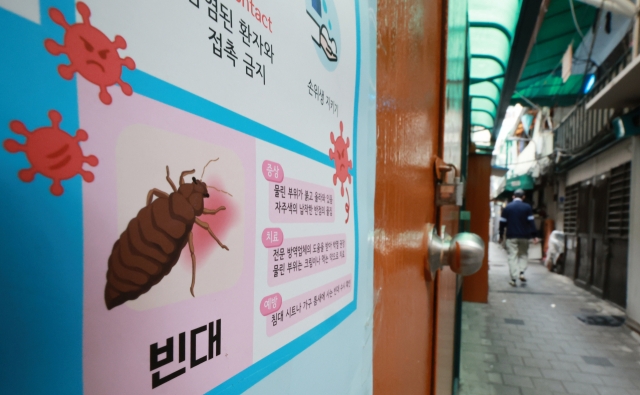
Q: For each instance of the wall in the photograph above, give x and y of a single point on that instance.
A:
(605, 42)
(476, 287)
(614, 156)
(625, 151)
(633, 271)
(166, 160)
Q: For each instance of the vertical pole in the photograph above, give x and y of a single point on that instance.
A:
(636, 29)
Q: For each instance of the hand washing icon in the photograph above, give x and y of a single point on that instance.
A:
(324, 30)
(328, 44)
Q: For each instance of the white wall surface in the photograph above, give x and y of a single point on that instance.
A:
(614, 156)
(341, 362)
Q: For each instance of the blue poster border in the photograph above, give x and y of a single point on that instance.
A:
(32, 78)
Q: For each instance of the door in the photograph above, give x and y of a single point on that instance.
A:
(476, 286)
(600, 198)
(618, 235)
(592, 223)
(617, 276)
(570, 229)
(585, 251)
(453, 138)
(409, 108)
(445, 312)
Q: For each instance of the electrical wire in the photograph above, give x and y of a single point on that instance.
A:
(588, 60)
(543, 81)
(594, 36)
(527, 100)
(579, 60)
(531, 161)
(575, 20)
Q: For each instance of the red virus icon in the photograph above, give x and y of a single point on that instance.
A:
(340, 158)
(91, 53)
(52, 152)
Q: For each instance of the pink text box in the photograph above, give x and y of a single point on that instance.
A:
(270, 304)
(301, 307)
(272, 237)
(300, 201)
(304, 256)
(272, 171)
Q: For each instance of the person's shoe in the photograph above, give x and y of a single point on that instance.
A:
(512, 283)
(524, 280)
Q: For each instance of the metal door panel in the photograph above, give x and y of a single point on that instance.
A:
(583, 264)
(409, 106)
(571, 256)
(584, 260)
(570, 230)
(444, 320)
(599, 265)
(617, 234)
(617, 276)
(598, 227)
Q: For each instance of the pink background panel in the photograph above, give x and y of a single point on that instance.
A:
(334, 257)
(304, 313)
(287, 217)
(116, 343)
(270, 304)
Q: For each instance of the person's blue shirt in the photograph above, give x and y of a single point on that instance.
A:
(517, 217)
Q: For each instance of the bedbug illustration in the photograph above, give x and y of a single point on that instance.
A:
(152, 242)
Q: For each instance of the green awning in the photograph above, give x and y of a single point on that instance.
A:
(492, 25)
(524, 181)
(541, 80)
(551, 91)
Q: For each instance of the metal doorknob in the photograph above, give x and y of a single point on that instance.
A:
(463, 253)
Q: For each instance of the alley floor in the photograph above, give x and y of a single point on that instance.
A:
(528, 340)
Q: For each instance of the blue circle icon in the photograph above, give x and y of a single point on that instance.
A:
(325, 31)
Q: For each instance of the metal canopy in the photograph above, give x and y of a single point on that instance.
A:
(492, 25)
(541, 80)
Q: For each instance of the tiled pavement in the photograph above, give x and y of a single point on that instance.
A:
(528, 341)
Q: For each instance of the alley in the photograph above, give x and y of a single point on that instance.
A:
(529, 341)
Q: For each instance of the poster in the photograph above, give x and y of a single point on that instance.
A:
(202, 155)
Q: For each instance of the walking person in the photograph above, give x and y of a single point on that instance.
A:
(517, 218)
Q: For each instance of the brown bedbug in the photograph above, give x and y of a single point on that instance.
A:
(152, 242)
